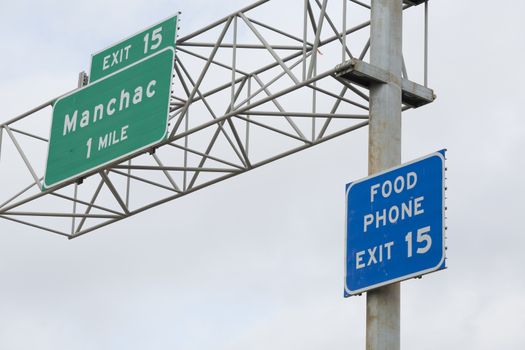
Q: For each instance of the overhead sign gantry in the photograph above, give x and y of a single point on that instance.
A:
(232, 111)
(233, 107)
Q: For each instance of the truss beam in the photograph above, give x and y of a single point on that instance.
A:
(307, 82)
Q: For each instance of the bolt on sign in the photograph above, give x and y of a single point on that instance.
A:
(117, 116)
(134, 48)
(395, 224)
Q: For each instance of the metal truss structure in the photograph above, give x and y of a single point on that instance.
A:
(246, 92)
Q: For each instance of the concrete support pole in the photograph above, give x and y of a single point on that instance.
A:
(384, 151)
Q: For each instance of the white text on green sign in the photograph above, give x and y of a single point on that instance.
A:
(133, 49)
(119, 115)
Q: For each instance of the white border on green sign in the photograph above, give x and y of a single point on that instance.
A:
(177, 16)
(118, 159)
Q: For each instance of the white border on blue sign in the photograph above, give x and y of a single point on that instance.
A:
(416, 274)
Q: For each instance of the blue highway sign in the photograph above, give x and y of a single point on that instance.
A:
(395, 224)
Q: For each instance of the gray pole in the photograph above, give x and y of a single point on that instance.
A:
(384, 151)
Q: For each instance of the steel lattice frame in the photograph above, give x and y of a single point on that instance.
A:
(227, 116)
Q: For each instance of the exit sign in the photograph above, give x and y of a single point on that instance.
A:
(134, 48)
(115, 117)
(395, 224)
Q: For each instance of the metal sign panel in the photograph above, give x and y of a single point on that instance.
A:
(134, 48)
(117, 116)
(395, 225)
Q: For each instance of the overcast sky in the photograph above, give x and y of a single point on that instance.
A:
(256, 262)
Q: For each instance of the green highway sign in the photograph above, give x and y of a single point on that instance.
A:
(117, 116)
(134, 48)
